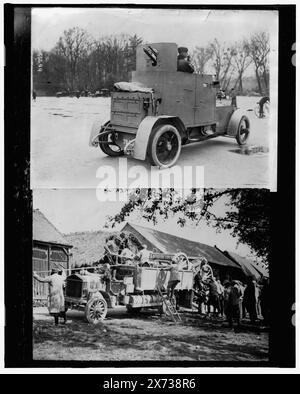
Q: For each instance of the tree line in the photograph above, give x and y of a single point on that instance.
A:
(229, 63)
(79, 62)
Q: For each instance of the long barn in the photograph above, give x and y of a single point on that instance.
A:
(49, 249)
(158, 241)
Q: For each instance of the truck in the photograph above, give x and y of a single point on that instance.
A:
(135, 287)
(162, 109)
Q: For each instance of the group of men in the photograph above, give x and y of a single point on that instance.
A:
(141, 258)
(235, 300)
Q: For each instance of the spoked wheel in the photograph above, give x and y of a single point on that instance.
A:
(183, 260)
(243, 131)
(164, 146)
(109, 146)
(95, 310)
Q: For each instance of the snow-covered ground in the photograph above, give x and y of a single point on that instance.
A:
(61, 157)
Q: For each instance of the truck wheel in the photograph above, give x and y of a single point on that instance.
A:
(95, 310)
(164, 146)
(110, 149)
(243, 131)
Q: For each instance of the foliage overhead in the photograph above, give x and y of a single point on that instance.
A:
(245, 212)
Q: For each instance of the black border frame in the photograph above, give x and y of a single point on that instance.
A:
(18, 196)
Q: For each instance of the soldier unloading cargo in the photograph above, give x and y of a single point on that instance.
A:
(173, 280)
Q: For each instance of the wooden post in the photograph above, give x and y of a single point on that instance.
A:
(49, 257)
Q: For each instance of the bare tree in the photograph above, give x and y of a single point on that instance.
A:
(74, 46)
(242, 61)
(200, 58)
(259, 49)
(222, 61)
(112, 59)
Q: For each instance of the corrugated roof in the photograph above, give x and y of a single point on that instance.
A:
(168, 243)
(45, 231)
(249, 267)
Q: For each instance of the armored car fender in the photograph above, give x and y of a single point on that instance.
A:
(239, 126)
(95, 131)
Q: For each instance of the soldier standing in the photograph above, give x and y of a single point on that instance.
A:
(233, 97)
(144, 255)
(56, 304)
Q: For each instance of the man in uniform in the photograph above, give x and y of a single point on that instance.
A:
(144, 256)
(206, 271)
(262, 102)
(233, 97)
(233, 299)
(183, 61)
(127, 256)
(56, 302)
(174, 279)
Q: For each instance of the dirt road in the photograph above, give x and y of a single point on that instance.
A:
(61, 157)
(145, 337)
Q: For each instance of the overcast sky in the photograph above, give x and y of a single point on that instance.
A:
(184, 27)
(73, 210)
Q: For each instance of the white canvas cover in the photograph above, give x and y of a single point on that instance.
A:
(132, 87)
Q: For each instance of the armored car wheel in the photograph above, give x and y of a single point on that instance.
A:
(243, 131)
(164, 146)
(109, 146)
(95, 310)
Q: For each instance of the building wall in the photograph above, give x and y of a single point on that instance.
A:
(44, 259)
(40, 263)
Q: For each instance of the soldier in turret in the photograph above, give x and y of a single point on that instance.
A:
(183, 61)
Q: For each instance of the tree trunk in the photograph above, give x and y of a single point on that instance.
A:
(265, 76)
(258, 81)
(241, 83)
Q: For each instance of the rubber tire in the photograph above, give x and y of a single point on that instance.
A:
(107, 150)
(238, 135)
(156, 133)
(87, 308)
